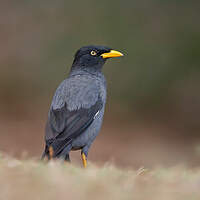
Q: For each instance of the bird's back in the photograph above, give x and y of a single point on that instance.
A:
(76, 92)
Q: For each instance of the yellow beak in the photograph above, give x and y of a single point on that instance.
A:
(112, 54)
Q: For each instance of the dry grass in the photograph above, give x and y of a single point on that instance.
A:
(32, 179)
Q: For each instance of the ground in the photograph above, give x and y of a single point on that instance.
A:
(32, 179)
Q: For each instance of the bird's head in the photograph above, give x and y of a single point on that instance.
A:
(93, 57)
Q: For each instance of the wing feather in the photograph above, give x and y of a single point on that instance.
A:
(68, 116)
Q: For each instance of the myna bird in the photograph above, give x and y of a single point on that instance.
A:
(77, 108)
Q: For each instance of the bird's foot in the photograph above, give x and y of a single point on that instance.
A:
(51, 152)
(84, 159)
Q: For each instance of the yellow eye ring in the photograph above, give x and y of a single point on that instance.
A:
(93, 53)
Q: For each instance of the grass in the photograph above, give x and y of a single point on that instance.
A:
(35, 180)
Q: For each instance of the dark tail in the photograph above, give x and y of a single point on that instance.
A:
(45, 153)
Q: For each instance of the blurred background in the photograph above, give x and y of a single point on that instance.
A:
(152, 114)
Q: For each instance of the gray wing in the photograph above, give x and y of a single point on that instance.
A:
(72, 111)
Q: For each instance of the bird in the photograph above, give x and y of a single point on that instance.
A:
(77, 109)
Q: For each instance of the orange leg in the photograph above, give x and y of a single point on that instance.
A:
(51, 152)
(84, 159)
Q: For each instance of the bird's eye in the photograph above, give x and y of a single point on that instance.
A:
(93, 53)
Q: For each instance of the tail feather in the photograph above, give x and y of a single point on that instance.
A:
(45, 153)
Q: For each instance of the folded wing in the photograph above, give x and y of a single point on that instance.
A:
(66, 124)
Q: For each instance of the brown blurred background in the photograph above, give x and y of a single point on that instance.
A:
(152, 114)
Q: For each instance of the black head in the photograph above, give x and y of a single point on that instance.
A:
(93, 56)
